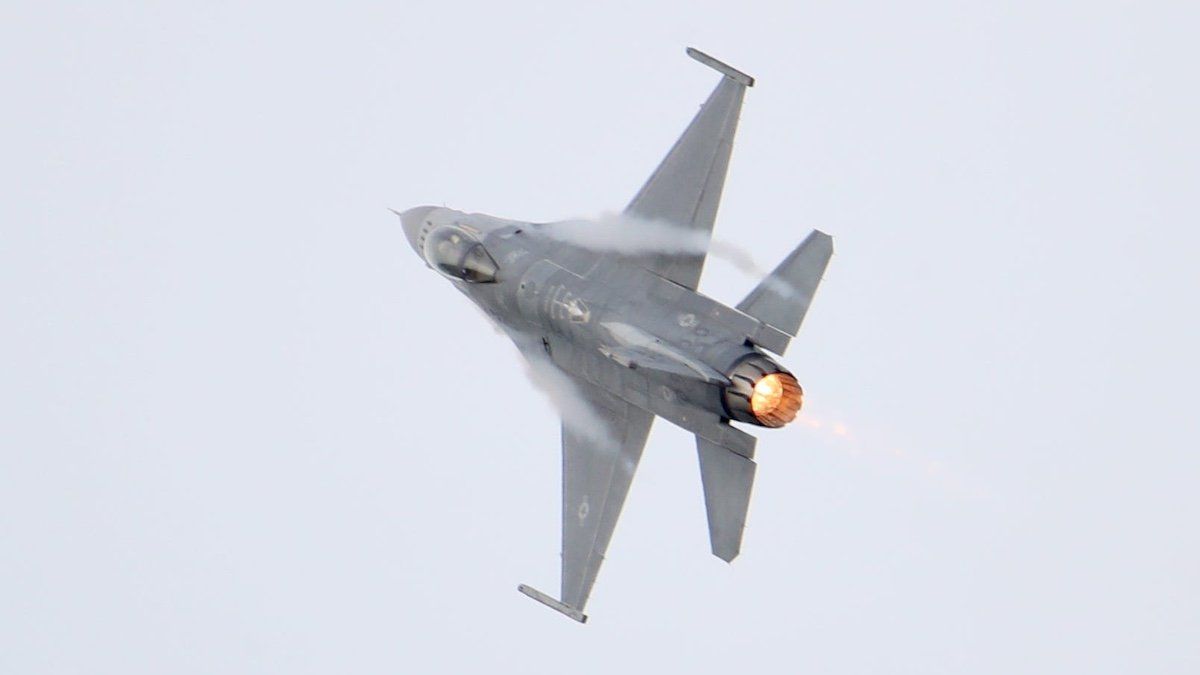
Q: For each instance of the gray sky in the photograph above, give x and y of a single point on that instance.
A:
(243, 429)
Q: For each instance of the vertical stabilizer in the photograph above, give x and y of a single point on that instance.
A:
(782, 299)
(728, 477)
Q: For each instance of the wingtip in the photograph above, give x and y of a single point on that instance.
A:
(557, 605)
(721, 67)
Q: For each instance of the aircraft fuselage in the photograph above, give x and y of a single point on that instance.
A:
(647, 340)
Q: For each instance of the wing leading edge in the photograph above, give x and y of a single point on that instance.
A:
(685, 190)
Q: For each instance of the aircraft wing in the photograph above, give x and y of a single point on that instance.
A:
(685, 189)
(601, 448)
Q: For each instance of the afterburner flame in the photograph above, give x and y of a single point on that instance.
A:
(767, 394)
(776, 399)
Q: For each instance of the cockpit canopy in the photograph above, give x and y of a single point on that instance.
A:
(454, 252)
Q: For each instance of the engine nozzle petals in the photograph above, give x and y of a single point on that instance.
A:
(762, 392)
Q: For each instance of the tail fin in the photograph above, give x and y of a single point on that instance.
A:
(782, 299)
(728, 476)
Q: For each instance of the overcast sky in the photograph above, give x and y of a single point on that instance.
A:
(243, 429)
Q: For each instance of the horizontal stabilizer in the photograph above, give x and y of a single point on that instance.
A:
(727, 476)
(783, 298)
(552, 603)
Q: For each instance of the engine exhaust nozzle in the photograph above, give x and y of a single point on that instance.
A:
(762, 392)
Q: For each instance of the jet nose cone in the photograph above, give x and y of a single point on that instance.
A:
(412, 220)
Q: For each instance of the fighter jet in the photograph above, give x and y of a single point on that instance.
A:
(623, 330)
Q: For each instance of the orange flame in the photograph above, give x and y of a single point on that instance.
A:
(776, 399)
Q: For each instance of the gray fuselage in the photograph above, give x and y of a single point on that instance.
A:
(642, 338)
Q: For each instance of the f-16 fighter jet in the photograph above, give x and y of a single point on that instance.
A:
(623, 334)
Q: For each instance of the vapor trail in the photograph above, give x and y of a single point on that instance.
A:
(564, 395)
(631, 235)
(621, 233)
